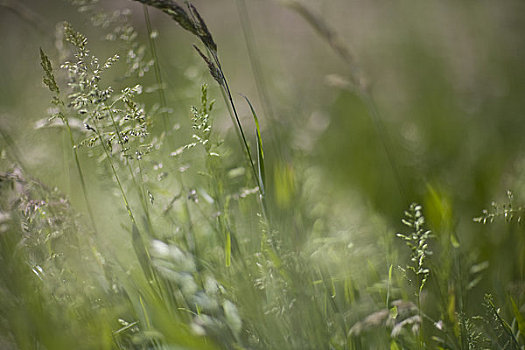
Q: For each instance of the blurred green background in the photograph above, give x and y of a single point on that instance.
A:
(447, 79)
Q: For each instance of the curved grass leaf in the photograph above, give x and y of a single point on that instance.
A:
(260, 151)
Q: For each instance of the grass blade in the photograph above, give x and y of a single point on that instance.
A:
(141, 251)
(260, 151)
(520, 320)
(228, 250)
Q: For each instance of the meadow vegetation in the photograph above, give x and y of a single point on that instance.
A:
(146, 204)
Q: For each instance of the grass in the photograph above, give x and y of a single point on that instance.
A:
(182, 238)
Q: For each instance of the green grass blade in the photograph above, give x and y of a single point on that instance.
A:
(228, 250)
(141, 251)
(520, 320)
(389, 285)
(260, 151)
(156, 66)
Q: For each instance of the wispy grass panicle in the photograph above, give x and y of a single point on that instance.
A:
(202, 29)
(50, 81)
(49, 77)
(418, 241)
(115, 120)
(117, 28)
(508, 211)
(115, 125)
(201, 121)
(174, 10)
(215, 72)
(188, 18)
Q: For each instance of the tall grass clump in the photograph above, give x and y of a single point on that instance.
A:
(171, 236)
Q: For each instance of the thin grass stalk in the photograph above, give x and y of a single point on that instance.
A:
(229, 100)
(386, 142)
(69, 133)
(66, 160)
(389, 284)
(14, 151)
(230, 106)
(137, 239)
(190, 241)
(420, 339)
(340, 320)
(232, 117)
(144, 198)
(251, 47)
(224, 231)
(507, 330)
(260, 83)
(463, 334)
(261, 177)
(140, 187)
(81, 176)
(115, 175)
(156, 68)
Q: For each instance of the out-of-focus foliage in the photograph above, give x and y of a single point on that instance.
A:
(146, 204)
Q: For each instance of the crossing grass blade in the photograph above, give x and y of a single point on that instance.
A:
(519, 317)
(141, 251)
(260, 151)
